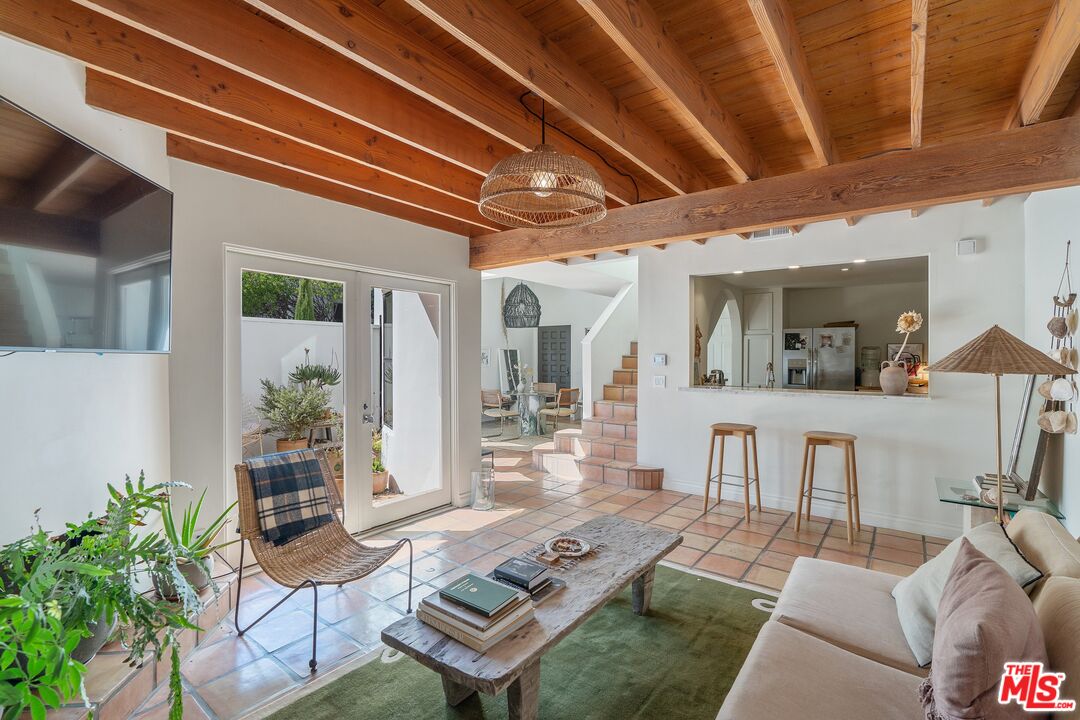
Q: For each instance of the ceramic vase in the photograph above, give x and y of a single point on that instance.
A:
(893, 377)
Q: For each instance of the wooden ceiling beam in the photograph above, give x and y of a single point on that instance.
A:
(1058, 41)
(366, 34)
(505, 38)
(920, 10)
(124, 98)
(124, 193)
(1040, 157)
(115, 48)
(851, 220)
(777, 25)
(635, 27)
(237, 38)
(193, 151)
(21, 225)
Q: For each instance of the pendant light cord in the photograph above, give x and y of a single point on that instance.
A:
(543, 126)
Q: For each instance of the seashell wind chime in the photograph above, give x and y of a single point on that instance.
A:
(1057, 415)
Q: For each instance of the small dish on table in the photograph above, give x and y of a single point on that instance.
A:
(566, 546)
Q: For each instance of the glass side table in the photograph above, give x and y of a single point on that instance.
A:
(962, 492)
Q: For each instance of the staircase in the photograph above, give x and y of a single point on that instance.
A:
(605, 448)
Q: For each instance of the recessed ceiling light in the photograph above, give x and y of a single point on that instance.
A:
(859, 260)
(844, 269)
(793, 267)
(737, 272)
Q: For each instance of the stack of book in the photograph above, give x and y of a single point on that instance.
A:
(524, 574)
(476, 611)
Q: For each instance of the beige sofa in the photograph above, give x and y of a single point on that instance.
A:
(834, 647)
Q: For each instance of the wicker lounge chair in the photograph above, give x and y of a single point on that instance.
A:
(328, 555)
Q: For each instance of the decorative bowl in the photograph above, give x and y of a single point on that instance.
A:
(567, 546)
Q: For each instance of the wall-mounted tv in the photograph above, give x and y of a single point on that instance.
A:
(85, 245)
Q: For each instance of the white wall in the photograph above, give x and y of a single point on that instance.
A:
(214, 209)
(411, 448)
(558, 306)
(73, 422)
(1051, 219)
(903, 443)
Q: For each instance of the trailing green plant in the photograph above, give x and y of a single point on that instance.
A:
(57, 589)
(187, 541)
(293, 409)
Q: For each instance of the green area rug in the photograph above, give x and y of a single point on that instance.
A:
(676, 662)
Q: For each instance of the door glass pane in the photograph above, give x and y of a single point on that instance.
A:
(292, 366)
(406, 383)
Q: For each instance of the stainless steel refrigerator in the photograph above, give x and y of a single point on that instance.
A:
(819, 358)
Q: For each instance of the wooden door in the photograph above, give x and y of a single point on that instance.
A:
(553, 355)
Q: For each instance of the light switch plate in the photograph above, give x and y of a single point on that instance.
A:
(659, 381)
(659, 360)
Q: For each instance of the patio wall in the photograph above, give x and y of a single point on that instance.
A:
(272, 348)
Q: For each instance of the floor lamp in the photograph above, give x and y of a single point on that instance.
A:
(998, 353)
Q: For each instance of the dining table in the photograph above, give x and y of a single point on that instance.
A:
(530, 402)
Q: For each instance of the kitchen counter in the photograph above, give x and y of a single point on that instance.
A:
(867, 394)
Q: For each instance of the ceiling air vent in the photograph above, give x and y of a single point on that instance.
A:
(770, 233)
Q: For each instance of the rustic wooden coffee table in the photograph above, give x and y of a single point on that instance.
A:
(629, 553)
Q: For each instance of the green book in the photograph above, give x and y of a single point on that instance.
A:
(479, 594)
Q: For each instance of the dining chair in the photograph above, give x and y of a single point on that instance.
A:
(549, 390)
(565, 405)
(493, 404)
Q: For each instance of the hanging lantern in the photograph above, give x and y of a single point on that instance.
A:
(521, 308)
(543, 188)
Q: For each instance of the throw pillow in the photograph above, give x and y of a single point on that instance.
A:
(1045, 542)
(984, 621)
(918, 595)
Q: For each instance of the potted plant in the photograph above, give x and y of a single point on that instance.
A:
(380, 477)
(57, 591)
(292, 410)
(194, 550)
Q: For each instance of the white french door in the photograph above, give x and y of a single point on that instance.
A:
(392, 346)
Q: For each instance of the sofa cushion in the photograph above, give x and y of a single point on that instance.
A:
(918, 595)
(984, 621)
(790, 674)
(1046, 543)
(1058, 608)
(850, 607)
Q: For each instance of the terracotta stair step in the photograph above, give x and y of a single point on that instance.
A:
(610, 428)
(633, 347)
(624, 377)
(623, 393)
(617, 409)
(629, 362)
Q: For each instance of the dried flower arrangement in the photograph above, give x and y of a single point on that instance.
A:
(907, 323)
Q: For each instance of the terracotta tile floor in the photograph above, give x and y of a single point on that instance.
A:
(227, 677)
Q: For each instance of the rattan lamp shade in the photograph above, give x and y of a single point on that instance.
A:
(521, 309)
(997, 352)
(543, 188)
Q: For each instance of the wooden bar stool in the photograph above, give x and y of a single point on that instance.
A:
(738, 430)
(845, 442)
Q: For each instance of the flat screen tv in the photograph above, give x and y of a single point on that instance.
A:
(85, 245)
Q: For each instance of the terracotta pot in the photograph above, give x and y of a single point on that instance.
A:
(283, 444)
(893, 377)
(379, 481)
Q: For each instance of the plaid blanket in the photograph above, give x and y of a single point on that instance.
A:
(290, 494)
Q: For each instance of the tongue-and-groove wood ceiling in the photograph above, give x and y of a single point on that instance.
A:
(402, 106)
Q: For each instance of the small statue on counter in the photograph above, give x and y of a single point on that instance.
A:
(770, 376)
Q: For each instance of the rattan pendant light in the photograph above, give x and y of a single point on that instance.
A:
(543, 188)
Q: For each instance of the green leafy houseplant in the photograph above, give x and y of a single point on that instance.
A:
(194, 548)
(56, 590)
(293, 409)
(315, 374)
